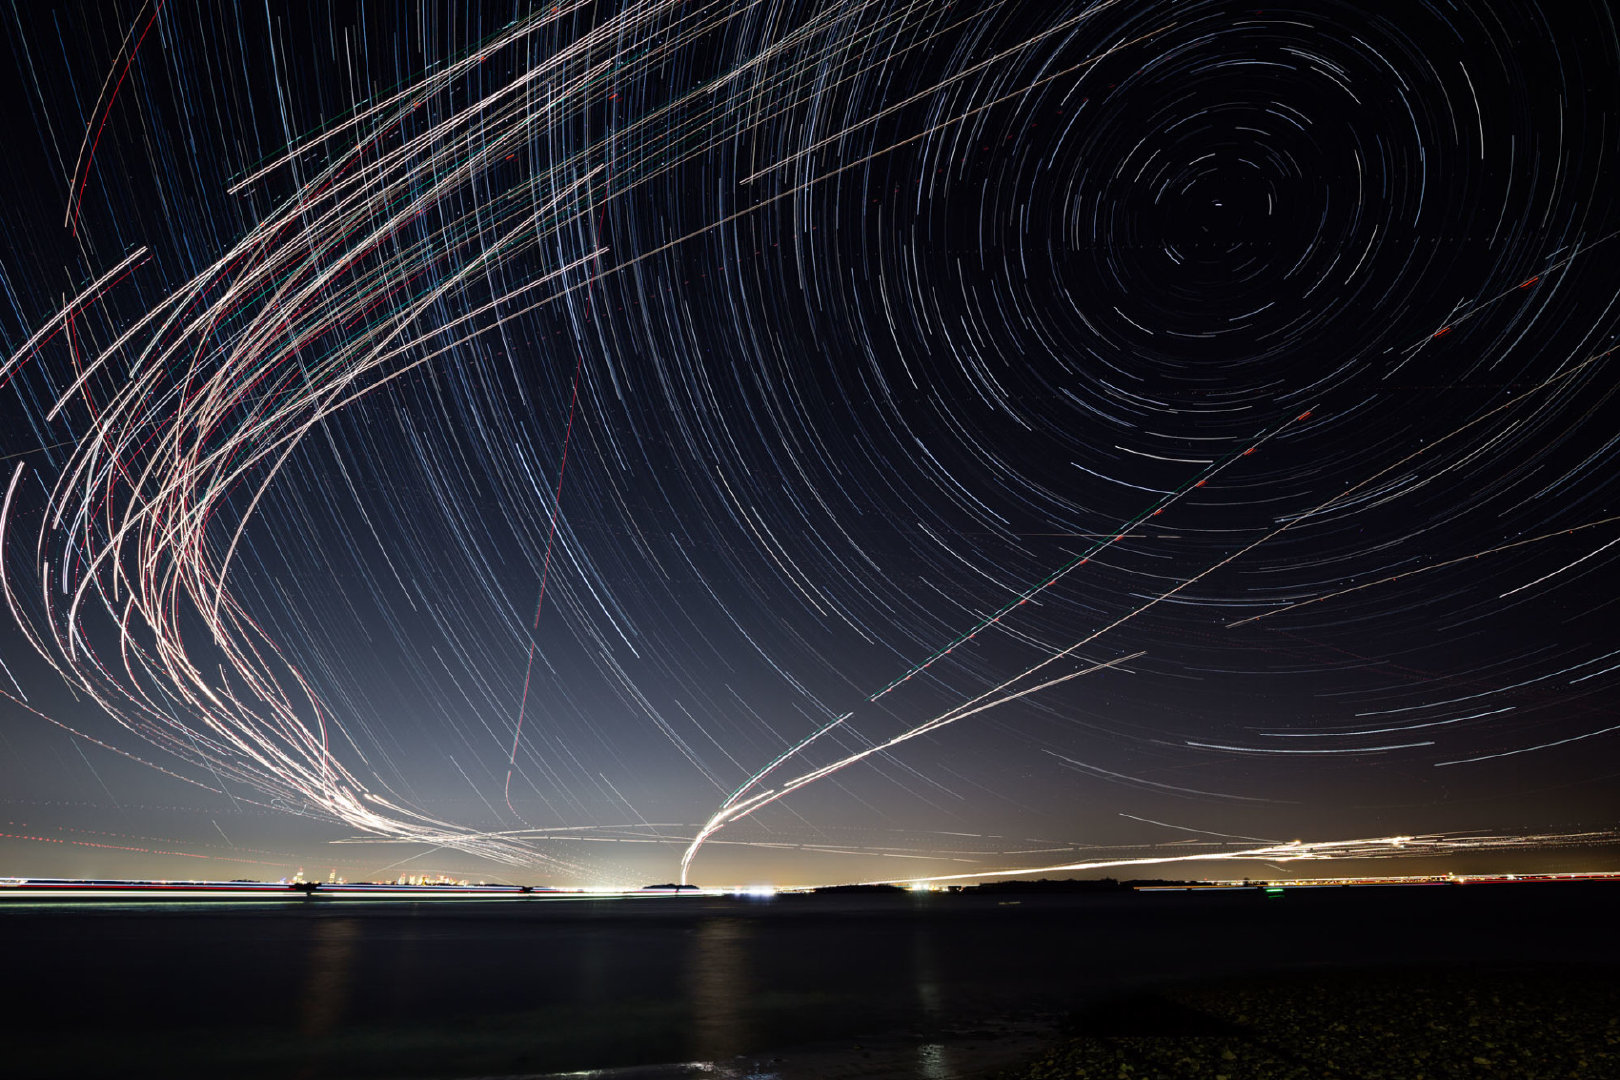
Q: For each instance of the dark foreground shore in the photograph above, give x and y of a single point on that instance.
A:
(1356, 1025)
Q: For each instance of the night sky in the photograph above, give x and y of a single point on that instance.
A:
(882, 439)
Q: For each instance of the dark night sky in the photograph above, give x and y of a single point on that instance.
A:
(503, 431)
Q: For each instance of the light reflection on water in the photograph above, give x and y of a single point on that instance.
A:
(933, 1058)
(326, 987)
(934, 1061)
(690, 1070)
(719, 983)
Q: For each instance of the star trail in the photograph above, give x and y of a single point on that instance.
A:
(592, 442)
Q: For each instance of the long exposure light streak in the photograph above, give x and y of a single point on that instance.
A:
(1300, 850)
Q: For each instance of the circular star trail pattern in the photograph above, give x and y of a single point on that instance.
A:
(822, 440)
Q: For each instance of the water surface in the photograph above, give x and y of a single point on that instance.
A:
(905, 986)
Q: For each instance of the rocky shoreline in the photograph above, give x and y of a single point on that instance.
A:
(1407, 1025)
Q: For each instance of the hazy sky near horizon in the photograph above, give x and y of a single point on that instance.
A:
(908, 438)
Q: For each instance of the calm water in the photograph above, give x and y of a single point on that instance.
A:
(683, 986)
